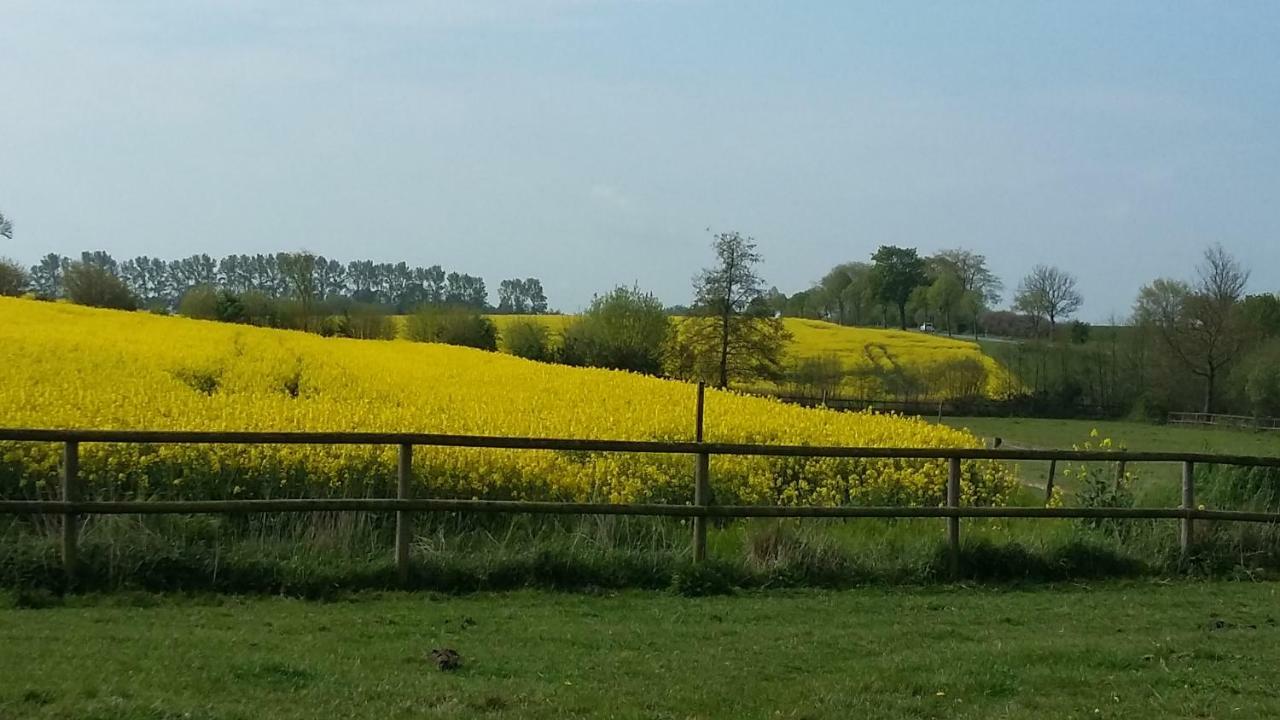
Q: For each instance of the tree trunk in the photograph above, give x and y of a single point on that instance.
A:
(724, 353)
(1208, 391)
(902, 315)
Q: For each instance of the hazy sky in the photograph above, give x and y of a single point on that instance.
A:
(593, 143)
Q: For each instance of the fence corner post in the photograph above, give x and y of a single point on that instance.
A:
(70, 521)
(404, 477)
(702, 484)
(953, 522)
(1187, 535)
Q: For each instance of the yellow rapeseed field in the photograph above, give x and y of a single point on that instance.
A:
(870, 355)
(877, 364)
(70, 366)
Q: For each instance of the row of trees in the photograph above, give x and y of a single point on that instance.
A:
(1196, 343)
(161, 284)
(953, 289)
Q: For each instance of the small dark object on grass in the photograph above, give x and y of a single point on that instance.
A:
(445, 658)
(467, 622)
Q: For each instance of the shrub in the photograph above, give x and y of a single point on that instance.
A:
(528, 339)
(818, 374)
(626, 329)
(452, 326)
(93, 285)
(14, 279)
(366, 321)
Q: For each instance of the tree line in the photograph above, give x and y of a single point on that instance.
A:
(160, 284)
(954, 290)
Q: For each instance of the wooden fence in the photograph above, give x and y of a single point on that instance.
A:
(404, 505)
(1235, 421)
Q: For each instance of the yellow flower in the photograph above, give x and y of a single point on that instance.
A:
(72, 366)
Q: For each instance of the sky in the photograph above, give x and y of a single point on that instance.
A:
(592, 143)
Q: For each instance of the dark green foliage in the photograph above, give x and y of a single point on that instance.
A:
(625, 329)
(700, 580)
(528, 339)
(365, 321)
(895, 273)
(88, 283)
(1080, 332)
(14, 279)
(453, 326)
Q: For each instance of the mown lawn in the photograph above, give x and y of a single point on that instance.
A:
(1109, 650)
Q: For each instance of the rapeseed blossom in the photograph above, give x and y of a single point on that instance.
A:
(67, 366)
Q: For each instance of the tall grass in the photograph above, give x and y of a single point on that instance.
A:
(323, 554)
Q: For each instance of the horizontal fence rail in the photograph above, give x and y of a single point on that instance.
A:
(72, 508)
(501, 442)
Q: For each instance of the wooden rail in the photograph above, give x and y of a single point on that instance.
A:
(1218, 419)
(71, 507)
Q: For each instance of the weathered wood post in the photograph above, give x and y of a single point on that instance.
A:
(1187, 535)
(70, 521)
(404, 476)
(702, 484)
(953, 523)
(1048, 485)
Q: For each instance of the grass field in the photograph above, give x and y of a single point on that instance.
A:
(1111, 650)
(1159, 479)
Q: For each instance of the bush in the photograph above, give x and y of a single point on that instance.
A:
(818, 374)
(528, 339)
(452, 326)
(14, 279)
(88, 284)
(626, 329)
(366, 321)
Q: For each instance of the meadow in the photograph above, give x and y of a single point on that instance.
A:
(1099, 650)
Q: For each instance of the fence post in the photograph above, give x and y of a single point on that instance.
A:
(1187, 535)
(953, 523)
(702, 484)
(70, 521)
(1048, 485)
(404, 476)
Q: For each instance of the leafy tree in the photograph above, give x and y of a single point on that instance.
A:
(895, 274)
(946, 295)
(731, 326)
(1048, 292)
(14, 279)
(528, 339)
(1201, 324)
(6, 227)
(91, 284)
(521, 297)
(452, 326)
(299, 273)
(624, 329)
(46, 276)
(365, 321)
(974, 275)
(1262, 314)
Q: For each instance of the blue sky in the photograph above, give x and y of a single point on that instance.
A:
(592, 143)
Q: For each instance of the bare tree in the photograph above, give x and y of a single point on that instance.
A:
(732, 320)
(975, 277)
(1200, 324)
(1050, 293)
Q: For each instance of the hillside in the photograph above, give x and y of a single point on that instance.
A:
(71, 366)
(864, 362)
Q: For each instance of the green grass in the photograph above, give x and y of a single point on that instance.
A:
(1157, 482)
(1112, 650)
